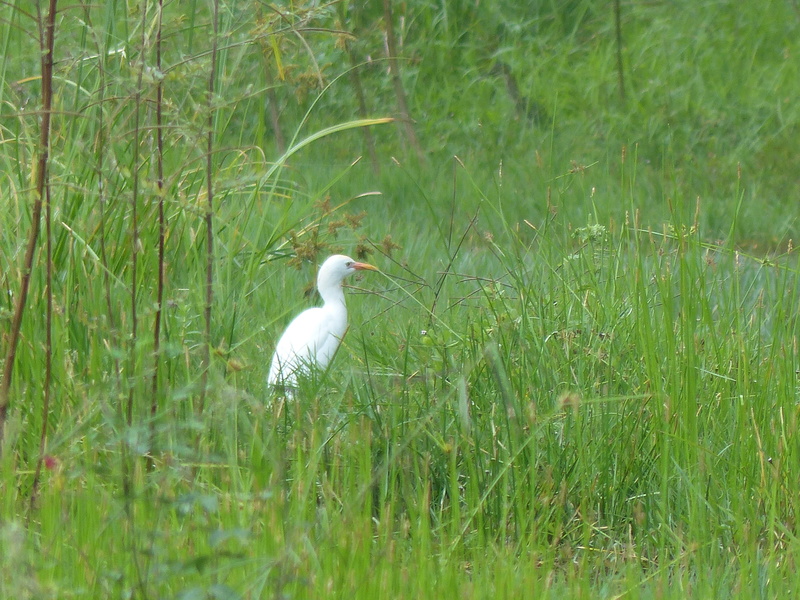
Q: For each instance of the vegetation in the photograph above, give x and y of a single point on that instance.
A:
(576, 376)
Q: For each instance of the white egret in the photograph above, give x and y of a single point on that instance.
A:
(312, 338)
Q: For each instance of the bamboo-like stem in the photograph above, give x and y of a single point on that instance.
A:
(47, 44)
(102, 187)
(272, 106)
(161, 234)
(127, 460)
(209, 216)
(397, 81)
(127, 483)
(355, 79)
(48, 344)
(127, 476)
(134, 243)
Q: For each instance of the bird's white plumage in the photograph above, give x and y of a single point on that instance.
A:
(312, 338)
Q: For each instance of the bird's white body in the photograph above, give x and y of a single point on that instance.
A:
(309, 342)
(312, 338)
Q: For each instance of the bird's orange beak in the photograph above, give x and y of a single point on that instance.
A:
(359, 266)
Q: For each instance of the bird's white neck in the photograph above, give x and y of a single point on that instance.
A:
(330, 288)
(332, 295)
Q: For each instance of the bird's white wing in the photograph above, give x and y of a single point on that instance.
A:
(310, 341)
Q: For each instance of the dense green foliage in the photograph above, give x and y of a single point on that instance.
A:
(575, 377)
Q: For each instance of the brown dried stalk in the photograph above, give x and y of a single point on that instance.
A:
(47, 39)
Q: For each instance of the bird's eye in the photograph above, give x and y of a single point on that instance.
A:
(349, 263)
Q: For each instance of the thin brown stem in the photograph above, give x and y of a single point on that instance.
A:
(47, 43)
(209, 216)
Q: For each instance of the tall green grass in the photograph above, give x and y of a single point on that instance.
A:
(574, 377)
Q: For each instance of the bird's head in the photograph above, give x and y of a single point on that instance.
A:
(336, 268)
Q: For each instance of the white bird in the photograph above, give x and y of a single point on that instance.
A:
(312, 338)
